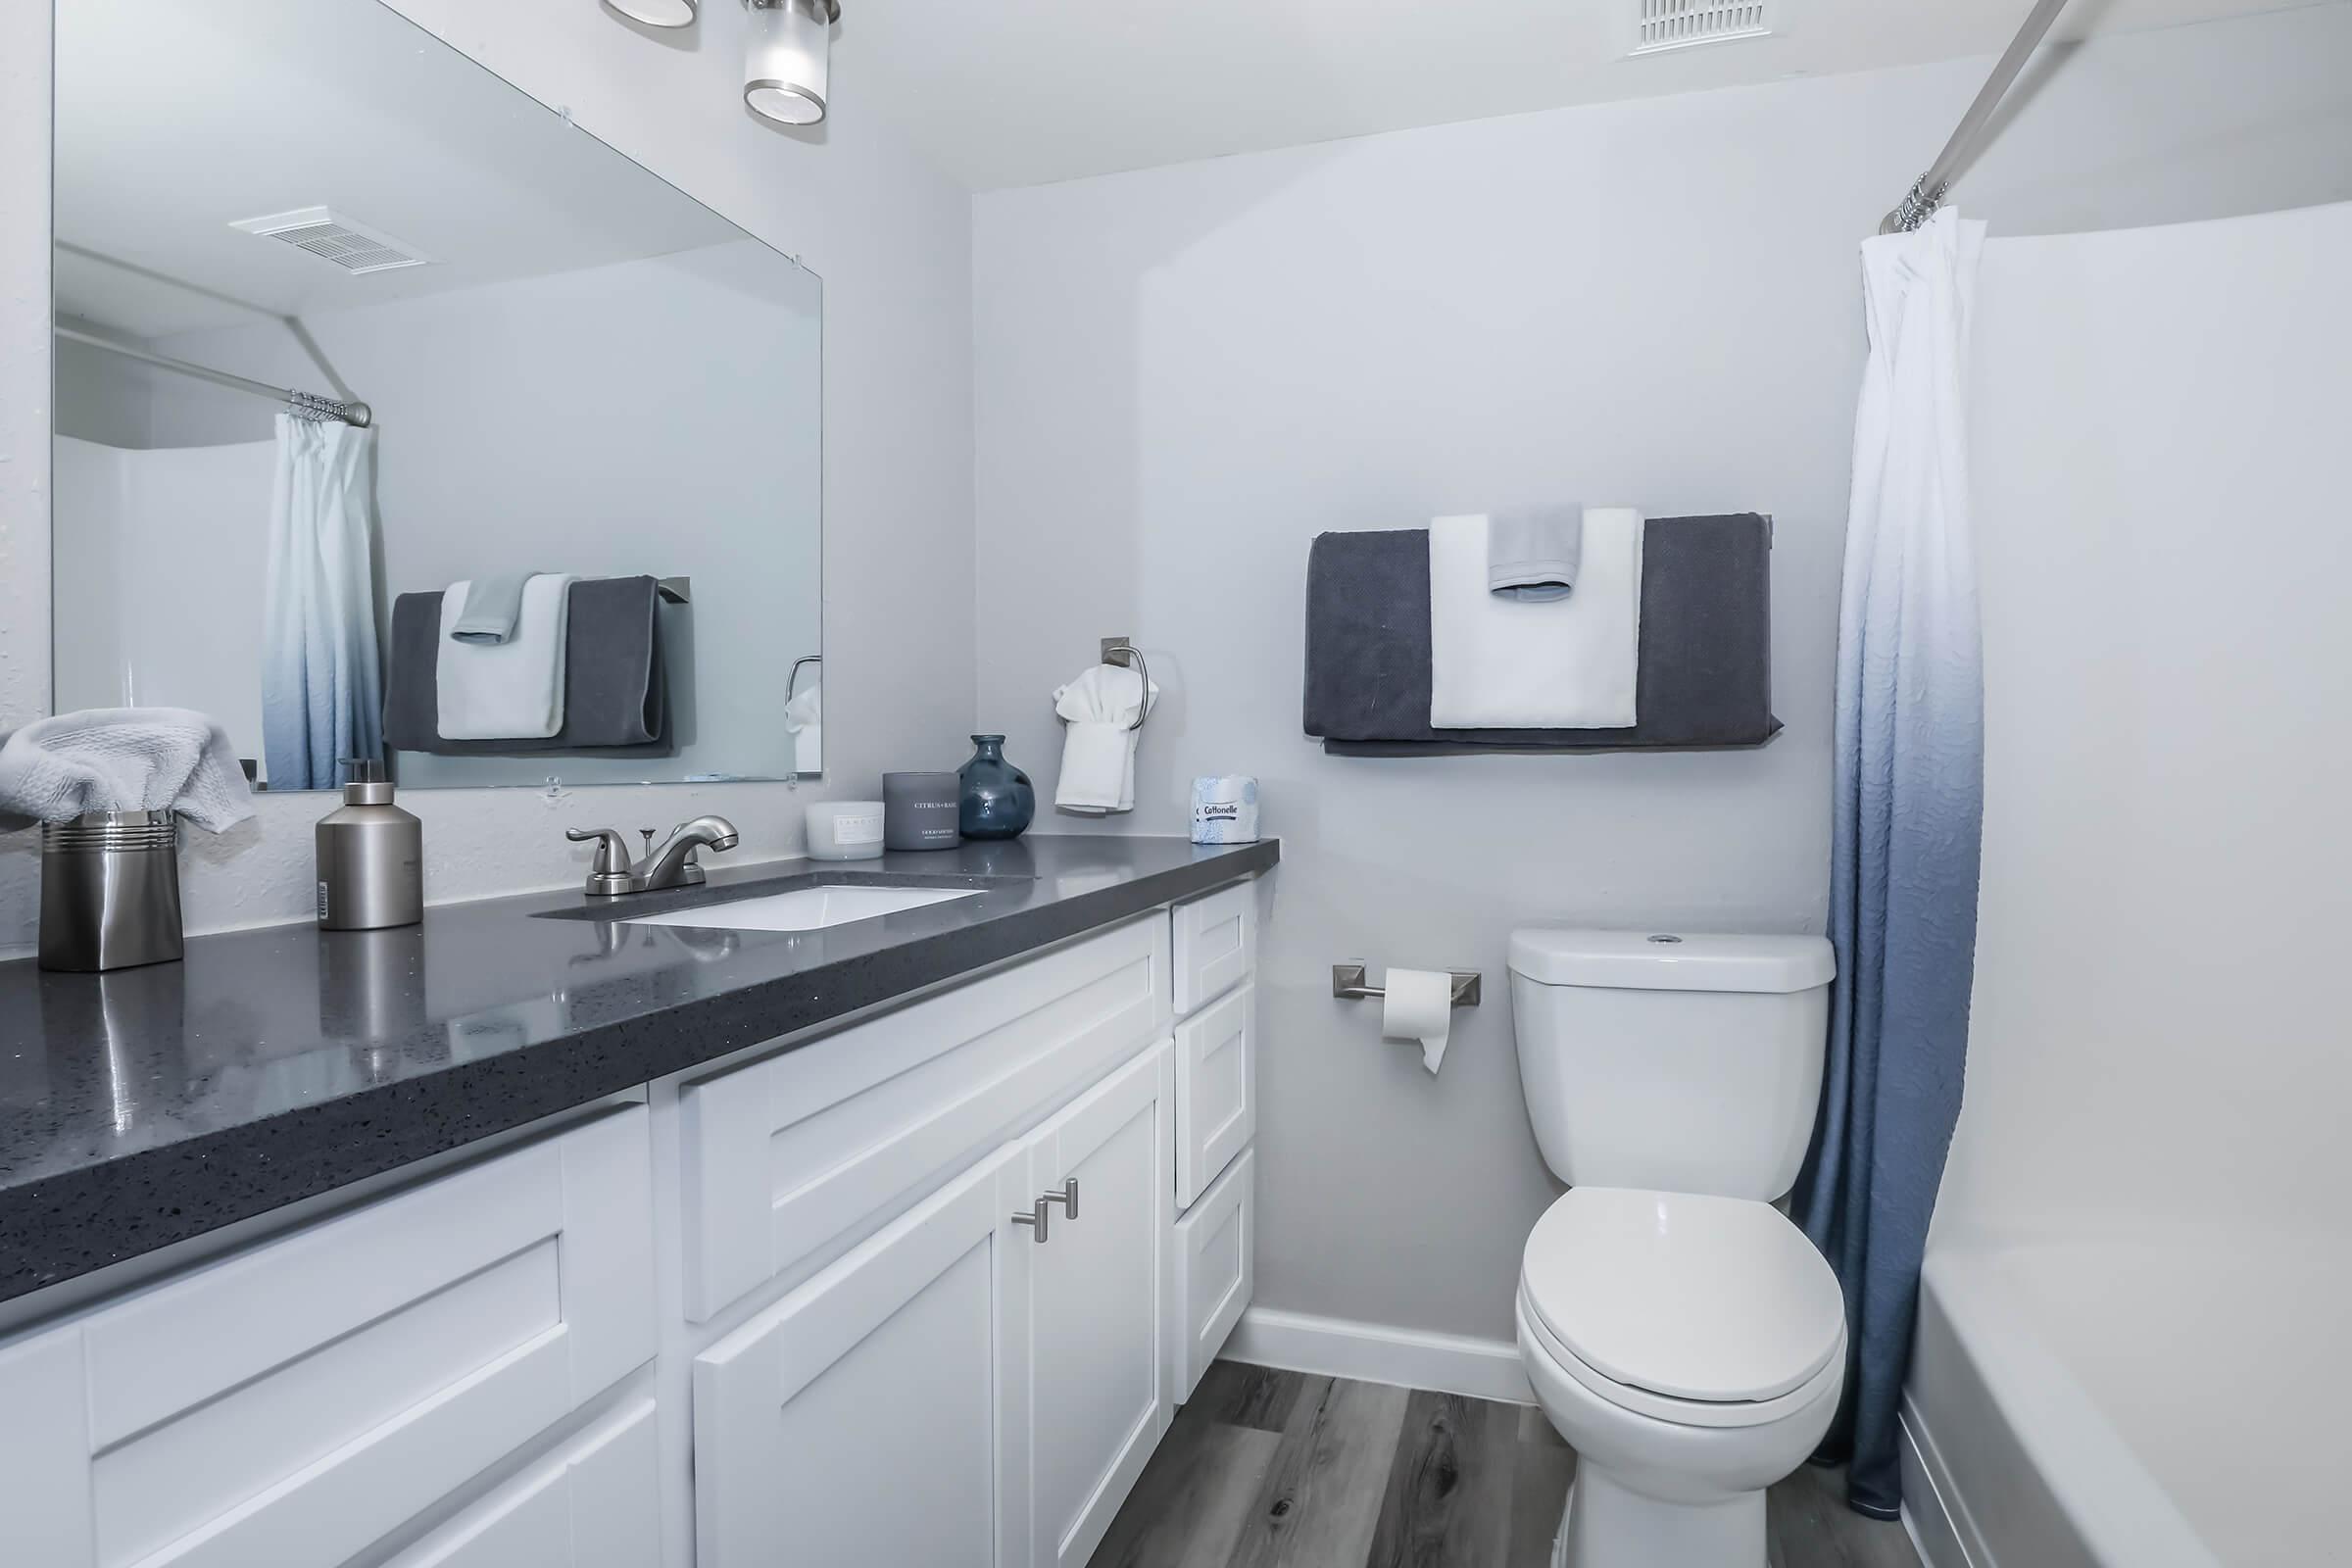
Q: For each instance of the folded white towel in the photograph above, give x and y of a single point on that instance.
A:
(1098, 743)
(511, 690)
(122, 760)
(805, 722)
(1500, 663)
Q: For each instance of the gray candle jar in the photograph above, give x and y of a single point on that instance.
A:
(919, 812)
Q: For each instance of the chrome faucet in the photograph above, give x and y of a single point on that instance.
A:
(670, 864)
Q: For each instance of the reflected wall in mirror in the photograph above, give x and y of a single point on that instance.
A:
(579, 385)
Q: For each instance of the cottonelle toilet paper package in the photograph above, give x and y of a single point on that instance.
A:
(1225, 810)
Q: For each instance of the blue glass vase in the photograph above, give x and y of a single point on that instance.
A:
(995, 799)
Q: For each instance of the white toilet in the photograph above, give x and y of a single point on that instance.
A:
(1687, 1339)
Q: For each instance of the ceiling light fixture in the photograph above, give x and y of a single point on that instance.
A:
(784, 57)
(657, 13)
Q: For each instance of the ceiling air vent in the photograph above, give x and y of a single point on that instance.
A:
(1678, 23)
(330, 236)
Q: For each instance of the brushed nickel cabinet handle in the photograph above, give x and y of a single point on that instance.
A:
(1035, 1217)
(1068, 1197)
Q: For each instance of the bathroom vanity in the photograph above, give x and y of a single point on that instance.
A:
(542, 1233)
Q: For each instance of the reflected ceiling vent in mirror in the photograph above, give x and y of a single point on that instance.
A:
(331, 237)
(657, 13)
(1662, 24)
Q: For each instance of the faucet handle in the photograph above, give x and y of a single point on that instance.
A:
(612, 850)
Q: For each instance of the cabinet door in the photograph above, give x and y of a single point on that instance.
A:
(1216, 1268)
(1216, 1090)
(1098, 1399)
(298, 1400)
(856, 1421)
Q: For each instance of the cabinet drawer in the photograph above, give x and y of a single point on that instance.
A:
(1217, 945)
(1215, 1268)
(789, 1161)
(297, 1400)
(1216, 1090)
(595, 1502)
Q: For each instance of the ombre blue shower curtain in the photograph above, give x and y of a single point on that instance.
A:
(1907, 829)
(322, 694)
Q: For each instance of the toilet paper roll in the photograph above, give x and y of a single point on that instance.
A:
(1419, 1007)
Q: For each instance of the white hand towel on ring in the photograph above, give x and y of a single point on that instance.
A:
(1101, 710)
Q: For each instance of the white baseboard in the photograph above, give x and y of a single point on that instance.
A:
(1373, 1352)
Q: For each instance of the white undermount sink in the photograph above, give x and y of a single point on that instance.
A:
(806, 908)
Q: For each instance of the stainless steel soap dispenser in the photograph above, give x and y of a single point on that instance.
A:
(370, 858)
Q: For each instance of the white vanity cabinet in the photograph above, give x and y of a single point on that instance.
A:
(922, 1291)
(306, 1397)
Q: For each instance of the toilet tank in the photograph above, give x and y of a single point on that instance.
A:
(1673, 1061)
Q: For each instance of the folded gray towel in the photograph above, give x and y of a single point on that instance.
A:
(615, 696)
(1705, 677)
(1532, 552)
(491, 607)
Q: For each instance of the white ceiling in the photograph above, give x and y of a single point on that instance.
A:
(1020, 92)
(176, 119)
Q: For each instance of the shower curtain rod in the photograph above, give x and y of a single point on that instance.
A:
(1927, 191)
(304, 405)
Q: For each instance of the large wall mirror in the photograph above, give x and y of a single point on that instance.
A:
(545, 503)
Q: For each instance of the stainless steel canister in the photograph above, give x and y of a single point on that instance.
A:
(110, 891)
(370, 857)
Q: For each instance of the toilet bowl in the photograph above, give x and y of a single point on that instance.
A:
(1691, 1349)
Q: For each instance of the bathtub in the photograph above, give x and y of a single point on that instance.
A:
(2165, 1400)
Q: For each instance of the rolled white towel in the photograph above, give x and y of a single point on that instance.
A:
(1099, 710)
(122, 760)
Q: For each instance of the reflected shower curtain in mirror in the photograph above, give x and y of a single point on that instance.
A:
(322, 681)
(1907, 827)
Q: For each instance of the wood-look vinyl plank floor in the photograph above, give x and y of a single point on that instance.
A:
(1271, 1469)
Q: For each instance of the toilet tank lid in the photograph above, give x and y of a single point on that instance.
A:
(1671, 961)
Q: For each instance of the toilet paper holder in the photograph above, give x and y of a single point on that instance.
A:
(1348, 981)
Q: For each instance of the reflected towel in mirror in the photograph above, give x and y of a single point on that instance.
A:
(511, 690)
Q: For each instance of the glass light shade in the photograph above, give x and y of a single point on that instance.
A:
(784, 59)
(657, 13)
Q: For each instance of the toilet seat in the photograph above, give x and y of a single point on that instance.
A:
(1535, 1337)
(1689, 1307)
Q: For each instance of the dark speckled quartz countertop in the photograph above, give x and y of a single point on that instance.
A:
(144, 1107)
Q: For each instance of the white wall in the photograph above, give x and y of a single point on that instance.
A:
(1182, 375)
(2158, 1034)
(891, 239)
